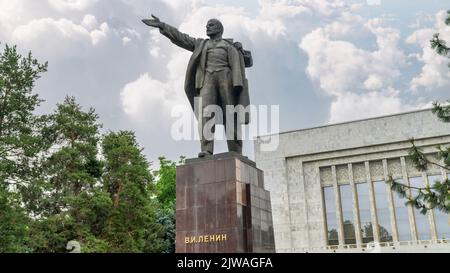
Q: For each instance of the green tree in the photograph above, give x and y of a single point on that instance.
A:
(367, 233)
(166, 195)
(132, 225)
(13, 224)
(437, 195)
(166, 218)
(20, 137)
(68, 201)
(166, 181)
(20, 141)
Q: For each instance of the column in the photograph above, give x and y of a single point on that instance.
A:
(445, 176)
(373, 207)
(356, 218)
(337, 198)
(390, 200)
(412, 219)
(430, 213)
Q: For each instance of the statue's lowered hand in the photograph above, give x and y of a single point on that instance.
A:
(154, 22)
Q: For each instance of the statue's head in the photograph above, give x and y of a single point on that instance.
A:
(214, 27)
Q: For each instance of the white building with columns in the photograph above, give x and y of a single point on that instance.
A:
(328, 188)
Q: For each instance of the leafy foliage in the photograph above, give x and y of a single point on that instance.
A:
(166, 176)
(13, 225)
(166, 194)
(20, 141)
(442, 111)
(67, 185)
(132, 225)
(20, 136)
(439, 45)
(167, 219)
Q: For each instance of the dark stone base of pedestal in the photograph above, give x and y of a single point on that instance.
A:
(222, 207)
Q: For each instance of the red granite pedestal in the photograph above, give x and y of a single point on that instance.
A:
(222, 207)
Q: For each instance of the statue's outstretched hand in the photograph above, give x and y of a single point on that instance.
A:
(154, 22)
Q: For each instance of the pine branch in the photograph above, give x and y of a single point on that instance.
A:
(444, 154)
(440, 46)
(397, 185)
(442, 112)
(427, 198)
(438, 165)
(447, 20)
(419, 159)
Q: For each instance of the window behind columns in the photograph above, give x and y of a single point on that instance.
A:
(330, 214)
(422, 224)
(441, 218)
(384, 222)
(347, 214)
(401, 213)
(362, 190)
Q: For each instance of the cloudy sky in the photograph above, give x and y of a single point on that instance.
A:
(322, 61)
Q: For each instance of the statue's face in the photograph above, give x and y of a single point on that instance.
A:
(213, 27)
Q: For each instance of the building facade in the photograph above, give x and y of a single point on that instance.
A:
(328, 188)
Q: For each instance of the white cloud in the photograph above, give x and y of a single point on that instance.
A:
(184, 5)
(149, 101)
(335, 64)
(236, 21)
(435, 72)
(89, 22)
(50, 37)
(356, 77)
(291, 8)
(349, 106)
(97, 35)
(340, 66)
(139, 96)
(373, 2)
(17, 12)
(282, 9)
(126, 40)
(374, 82)
(69, 5)
(423, 18)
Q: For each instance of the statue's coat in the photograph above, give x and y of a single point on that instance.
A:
(196, 69)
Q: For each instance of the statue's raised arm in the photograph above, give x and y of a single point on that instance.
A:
(180, 39)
